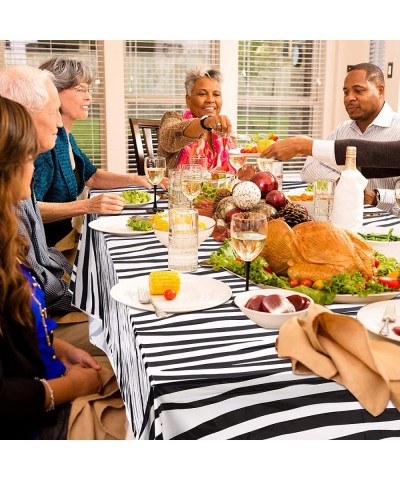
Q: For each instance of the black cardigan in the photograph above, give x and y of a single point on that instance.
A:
(22, 396)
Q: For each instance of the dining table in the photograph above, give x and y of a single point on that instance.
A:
(208, 373)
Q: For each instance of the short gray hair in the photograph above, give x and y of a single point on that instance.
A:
(196, 73)
(68, 72)
(26, 85)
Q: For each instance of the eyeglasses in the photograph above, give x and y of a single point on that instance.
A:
(80, 89)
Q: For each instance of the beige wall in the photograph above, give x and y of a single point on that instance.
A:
(349, 52)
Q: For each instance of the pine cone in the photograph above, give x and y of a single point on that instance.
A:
(294, 214)
(224, 192)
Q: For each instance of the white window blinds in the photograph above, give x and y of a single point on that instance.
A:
(377, 53)
(90, 133)
(281, 85)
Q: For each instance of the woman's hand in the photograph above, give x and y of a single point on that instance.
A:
(70, 355)
(110, 203)
(83, 381)
(219, 123)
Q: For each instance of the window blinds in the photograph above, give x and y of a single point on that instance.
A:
(90, 133)
(281, 84)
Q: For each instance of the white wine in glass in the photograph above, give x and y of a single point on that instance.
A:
(248, 236)
(397, 192)
(191, 181)
(154, 168)
(237, 160)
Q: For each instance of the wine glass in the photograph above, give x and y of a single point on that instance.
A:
(248, 235)
(154, 168)
(191, 181)
(237, 161)
(397, 192)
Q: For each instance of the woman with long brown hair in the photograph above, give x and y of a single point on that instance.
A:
(39, 375)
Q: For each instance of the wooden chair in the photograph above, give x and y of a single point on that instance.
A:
(145, 139)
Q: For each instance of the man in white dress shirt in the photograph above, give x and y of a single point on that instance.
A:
(371, 119)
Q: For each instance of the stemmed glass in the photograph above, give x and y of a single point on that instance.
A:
(154, 168)
(191, 181)
(397, 192)
(248, 235)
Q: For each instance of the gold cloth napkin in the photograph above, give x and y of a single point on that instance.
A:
(100, 416)
(338, 347)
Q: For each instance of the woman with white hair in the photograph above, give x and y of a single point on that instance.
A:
(200, 129)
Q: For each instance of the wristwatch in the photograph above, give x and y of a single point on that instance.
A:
(202, 123)
(377, 196)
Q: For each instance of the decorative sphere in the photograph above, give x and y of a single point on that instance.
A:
(223, 208)
(246, 195)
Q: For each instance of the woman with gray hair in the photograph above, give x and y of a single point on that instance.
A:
(200, 129)
(62, 173)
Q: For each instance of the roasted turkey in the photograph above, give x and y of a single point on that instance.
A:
(316, 250)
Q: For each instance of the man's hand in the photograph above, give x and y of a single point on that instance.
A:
(288, 148)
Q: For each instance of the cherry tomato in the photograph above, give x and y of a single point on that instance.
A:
(253, 150)
(169, 294)
(267, 269)
(390, 282)
(376, 262)
(238, 259)
(396, 330)
(306, 282)
(274, 138)
(293, 282)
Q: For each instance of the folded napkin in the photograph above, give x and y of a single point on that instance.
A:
(100, 416)
(338, 347)
(348, 202)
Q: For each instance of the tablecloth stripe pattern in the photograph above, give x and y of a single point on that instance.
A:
(212, 374)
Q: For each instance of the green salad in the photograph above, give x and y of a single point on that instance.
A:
(141, 224)
(136, 196)
(344, 283)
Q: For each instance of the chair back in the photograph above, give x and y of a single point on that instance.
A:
(145, 139)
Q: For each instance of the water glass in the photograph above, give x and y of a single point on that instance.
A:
(397, 192)
(176, 198)
(324, 190)
(183, 241)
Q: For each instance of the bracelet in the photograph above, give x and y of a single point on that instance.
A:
(51, 393)
(203, 125)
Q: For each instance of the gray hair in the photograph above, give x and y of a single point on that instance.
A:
(26, 85)
(199, 72)
(373, 73)
(68, 72)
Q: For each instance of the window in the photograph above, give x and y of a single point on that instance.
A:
(90, 133)
(377, 53)
(281, 86)
(155, 76)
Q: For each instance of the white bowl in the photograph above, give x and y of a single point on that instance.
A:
(269, 320)
(162, 235)
(390, 249)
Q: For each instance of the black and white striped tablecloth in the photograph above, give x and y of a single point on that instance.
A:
(210, 374)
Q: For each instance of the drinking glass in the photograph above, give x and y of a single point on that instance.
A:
(154, 168)
(248, 235)
(397, 192)
(324, 190)
(237, 160)
(191, 181)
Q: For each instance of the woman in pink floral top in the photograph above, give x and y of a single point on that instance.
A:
(199, 130)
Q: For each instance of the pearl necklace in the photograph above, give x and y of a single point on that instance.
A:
(43, 313)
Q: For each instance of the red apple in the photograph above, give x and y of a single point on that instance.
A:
(276, 199)
(265, 181)
(229, 213)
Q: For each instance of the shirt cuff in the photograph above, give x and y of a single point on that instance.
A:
(324, 151)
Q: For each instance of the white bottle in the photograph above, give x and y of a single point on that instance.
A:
(348, 204)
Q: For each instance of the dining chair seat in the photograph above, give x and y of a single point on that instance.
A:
(145, 139)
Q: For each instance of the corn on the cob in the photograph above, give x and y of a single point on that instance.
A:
(161, 281)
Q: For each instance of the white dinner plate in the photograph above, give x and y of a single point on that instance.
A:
(371, 317)
(135, 205)
(236, 151)
(197, 292)
(115, 224)
(375, 297)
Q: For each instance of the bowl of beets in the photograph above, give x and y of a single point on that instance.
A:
(270, 308)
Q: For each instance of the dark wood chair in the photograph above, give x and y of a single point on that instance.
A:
(145, 139)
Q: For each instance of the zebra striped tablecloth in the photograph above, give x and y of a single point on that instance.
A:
(210, 374)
